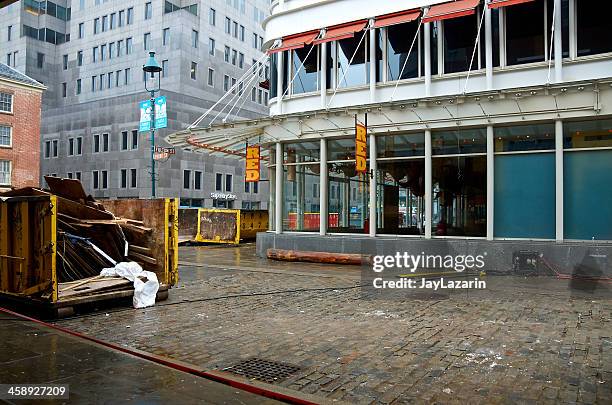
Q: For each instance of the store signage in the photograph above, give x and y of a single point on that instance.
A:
(223, 196)
(252, 164)
(361, 148)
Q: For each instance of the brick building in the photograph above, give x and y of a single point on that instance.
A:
(20, 107)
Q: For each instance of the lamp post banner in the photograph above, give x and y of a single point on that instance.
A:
(145, 116)
(161, 118)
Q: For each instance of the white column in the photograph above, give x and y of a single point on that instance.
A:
(372, 221)
(323, 48)
(427, 56)
(372, 63)
(488, 46)
(279, 81)
(278, 200)
(428, 188)
(323, 189)
(559, 180)
(490, 181)
(558, 43)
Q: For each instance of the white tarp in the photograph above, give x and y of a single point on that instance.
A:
(144, 292)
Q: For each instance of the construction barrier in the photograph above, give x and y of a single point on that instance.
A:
(230, 226)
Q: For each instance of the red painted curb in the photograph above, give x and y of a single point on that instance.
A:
(168, 363)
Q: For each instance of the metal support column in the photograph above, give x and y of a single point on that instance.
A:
(323, 186)
(153, 179)
(373, 205)
(279, 81)
(488, 46)
(490, 181)
(558, 39)
(559, 180)
(427, 73)
(323, 48)
(278, 200)
(372, 63)
(428, 186)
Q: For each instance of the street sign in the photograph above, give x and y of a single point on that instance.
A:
(161, 117)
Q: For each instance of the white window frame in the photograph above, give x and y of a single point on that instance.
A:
(10, 172)
(10, 128)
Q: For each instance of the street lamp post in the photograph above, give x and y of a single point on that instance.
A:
(152, 67)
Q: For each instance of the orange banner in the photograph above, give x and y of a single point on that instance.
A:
(252, 164)
(361, 149)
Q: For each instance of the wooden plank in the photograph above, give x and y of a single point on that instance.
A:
(139, 249)
(143, 258)
(316, 257)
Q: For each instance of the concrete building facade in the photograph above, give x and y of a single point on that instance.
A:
(90, 54)
(20, 109)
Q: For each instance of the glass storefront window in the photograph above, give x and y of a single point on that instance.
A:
(525, 33)
(302, 152)
(401, 145)
(587, 134)
(341, 149)
(459, 141)
(301, 204)
(399, 39)
(525, 196)
(347, 199)
(525, 137)
(305, 77)
(355, 73)
(593, 27)
(459, 39)
(587, 192)
(459, 196)
(401, 197)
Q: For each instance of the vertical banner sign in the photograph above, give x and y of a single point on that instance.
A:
(145, 116)
(161, 117)
(361, 147)
(252, 164)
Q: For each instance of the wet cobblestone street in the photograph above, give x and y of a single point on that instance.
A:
(521, 340)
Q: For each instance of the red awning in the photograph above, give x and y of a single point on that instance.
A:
(505, 3)
(453, 9)
(296, 41)
(396, 18)
(343, 31)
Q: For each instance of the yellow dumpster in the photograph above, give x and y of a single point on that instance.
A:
(230, 226)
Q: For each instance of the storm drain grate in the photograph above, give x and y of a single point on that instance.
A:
(263, 370)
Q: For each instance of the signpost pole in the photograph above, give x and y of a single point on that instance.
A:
(153, 143)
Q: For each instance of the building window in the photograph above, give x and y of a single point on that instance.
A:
(228, 182)
(40, 60)
(247, 187)
(96, 26)
(134, 139)
(123, 178)
(228, 26)
(71, 146)
(194, 38)
(351, 73)
(226, 81)
(254, 40)
(133, 178)
(234, 57)
(124, 140)
(165, 68)
(212, 16)
(459, 176)
(218, 182)
(226, 54)
(305, 70)
(128, 46)
(525, 33)
(211, 46)
(104, 23)
(186, 179)
(148, 11)
(587, 175)
(127, 76)
(93, 84)
(79, 58)
(119, 47)
(55, 148)
(64, 90)
(6, 102)
(81, 30)
(235, 29)
(78, 86)
(6, 138)
(194, 70)
(96, 143)
(79, 145)
(593, 28)
(65, 62)
(121, 18)
(197, 180)
(95, 179)
(130, 15)
(104, 179)
(9, 32)
(241, 60)
(113, 20)
(5, 172)
(166, 36)
(256, 187)
(47, 149)
(242, 33)
(105, 142)
(103, 52)
(94, 54)
(147, 40)
(211, 77)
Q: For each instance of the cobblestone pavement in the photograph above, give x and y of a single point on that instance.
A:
(519, 341)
